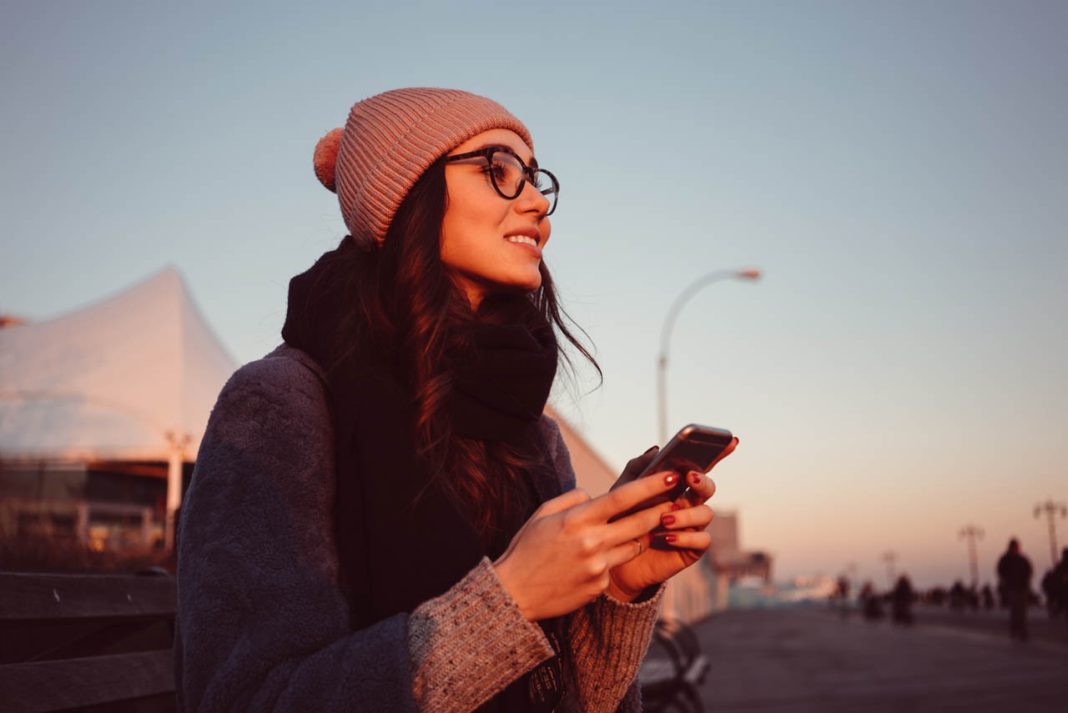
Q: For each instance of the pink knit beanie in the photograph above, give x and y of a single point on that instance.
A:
(389, 140)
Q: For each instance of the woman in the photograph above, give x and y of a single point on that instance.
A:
(381, 518)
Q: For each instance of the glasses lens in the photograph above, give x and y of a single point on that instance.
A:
(507, 173)
(548, 187)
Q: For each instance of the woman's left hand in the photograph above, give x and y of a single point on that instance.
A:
(679, 542)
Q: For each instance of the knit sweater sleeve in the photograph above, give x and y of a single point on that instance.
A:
(608, 638)
(262, 624)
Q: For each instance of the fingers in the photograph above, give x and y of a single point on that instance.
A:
(624, 552)
(636, 525)
(568, 500)
(701, 488)
(685, 540)
(698, 516)
(627, 496)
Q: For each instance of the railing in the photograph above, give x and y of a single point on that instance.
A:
(79, 641)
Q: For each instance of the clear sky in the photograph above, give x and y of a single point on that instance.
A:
(899, 171)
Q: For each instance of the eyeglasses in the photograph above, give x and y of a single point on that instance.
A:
(509, 174)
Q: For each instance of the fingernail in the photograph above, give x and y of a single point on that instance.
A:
(670, 537)
(695, 477)
(668, 519)
(676, 506)
(671, 478)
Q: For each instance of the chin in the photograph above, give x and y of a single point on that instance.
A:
(517, 287)
(531, 285)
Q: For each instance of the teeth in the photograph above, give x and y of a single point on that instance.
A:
(525, 239)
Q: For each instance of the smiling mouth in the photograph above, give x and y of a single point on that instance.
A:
(522, 240)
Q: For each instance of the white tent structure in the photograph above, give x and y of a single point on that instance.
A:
(131, 377)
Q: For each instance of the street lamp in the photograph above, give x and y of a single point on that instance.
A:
(1051, 509)
(973, 533)
(750, 273)
(890, 557)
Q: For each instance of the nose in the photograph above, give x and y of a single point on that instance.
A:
(530, 199)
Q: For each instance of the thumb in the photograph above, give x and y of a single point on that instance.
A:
(635, 466)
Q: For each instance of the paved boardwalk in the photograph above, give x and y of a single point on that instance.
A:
(790, 661)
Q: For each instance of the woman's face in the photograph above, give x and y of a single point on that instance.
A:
(478, 233)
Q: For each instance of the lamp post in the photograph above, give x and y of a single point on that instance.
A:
(973, 533)
(890, 557)
(1051, 509)
(751, 273)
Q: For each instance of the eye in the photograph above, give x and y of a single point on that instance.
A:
(499, 169)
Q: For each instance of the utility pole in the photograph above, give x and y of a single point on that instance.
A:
(1051, 509)
(890, 557)
(972, 533)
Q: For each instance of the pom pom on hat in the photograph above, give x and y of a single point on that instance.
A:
(325, 158)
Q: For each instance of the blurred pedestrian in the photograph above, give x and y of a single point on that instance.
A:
(957, 596)
(1050, 593)
(869, 602)
(1014, 581)
(1060, 584)
(841, 596)
(988, 597)
(901, 601)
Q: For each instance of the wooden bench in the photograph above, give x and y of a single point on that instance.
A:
(673, 670)
(91, 642)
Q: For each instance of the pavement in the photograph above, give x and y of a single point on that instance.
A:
(800, 660)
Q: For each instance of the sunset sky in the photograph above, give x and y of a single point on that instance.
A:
(898, 171)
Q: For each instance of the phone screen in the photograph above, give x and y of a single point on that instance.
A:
(693, 448)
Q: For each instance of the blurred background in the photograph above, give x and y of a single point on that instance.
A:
(896, 172)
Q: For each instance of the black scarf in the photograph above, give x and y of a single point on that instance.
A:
(401, 540)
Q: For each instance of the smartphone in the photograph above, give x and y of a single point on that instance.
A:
(694, 447)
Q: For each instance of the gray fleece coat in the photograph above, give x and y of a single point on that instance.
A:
(262, 624)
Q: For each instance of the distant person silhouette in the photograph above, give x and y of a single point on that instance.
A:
(1014, 581)
(957, 596)
(841, 596)
(869, 602)
(901, 601)
(1060, 585)
(988, 597)
(1050, 593)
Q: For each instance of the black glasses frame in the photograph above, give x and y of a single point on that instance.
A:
(529, 174)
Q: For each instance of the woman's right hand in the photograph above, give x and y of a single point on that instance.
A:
(560, 559)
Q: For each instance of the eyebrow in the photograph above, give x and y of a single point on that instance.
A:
(509, 149)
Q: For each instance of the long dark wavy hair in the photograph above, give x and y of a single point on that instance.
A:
(401, 299)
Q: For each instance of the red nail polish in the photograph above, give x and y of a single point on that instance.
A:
(671, 478)
(695, 478)
(676, 506)
(670, 538)
(668, 519)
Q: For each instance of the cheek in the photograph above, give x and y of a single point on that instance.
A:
(471, 221)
